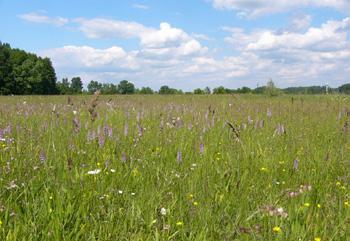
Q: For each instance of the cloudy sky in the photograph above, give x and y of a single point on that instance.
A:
(186, 43)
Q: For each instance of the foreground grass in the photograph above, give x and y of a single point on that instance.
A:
(171, 168)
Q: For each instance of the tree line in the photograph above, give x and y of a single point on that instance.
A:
(23, 73)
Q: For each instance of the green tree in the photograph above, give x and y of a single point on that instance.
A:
(198, 91)
(76, 85)
(94, 86)
(109, 89)
(126, 87)
(207, 90)
(219, 90)
(146, 91)
(345, 89)
(271, 89)
(5, 69)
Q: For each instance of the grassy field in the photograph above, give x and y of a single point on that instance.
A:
(175, 168)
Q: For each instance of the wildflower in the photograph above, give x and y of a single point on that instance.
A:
(113, 170)
(317, 239)
(135, 172)
(347, 203)
(12, 185)
(295, 164)
(201, 148)
(277, 229)
(0, 222)
(318, 205)
(263, 169)
(94, 172)
(42, 157)
(337, 183)
(126, 129)
(179, 156)
(179, 223)
(190, 196)
(195, 203)
(163, 211)
(120, 192)
(307, 205)
(273, 211)
(123, 157)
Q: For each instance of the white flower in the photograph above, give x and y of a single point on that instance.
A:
(120, 192)
(113, 170)
(75, 112)
(163, 211)
(94, 172)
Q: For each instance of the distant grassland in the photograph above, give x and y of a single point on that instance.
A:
(238, 167)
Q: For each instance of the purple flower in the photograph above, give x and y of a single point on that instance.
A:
(42, 157)
(91, 135)
(201, 148)
(76, 125)
(126, 129)
(179, 156)
(123, 157)
(110, 132)
(101, 138)
(269, 113)
(295, 164)
(105, 130)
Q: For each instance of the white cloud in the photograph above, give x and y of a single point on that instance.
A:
(85, 57)
(140, 6)
(169, 55)
(295, 56)
(253, 8)
(39, 18)
(300, 22)
(166, 40)
(108, 28)
(331, 35)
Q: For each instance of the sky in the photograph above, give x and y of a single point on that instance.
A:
(186, 44)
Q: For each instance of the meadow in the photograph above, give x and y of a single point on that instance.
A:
(207, 167)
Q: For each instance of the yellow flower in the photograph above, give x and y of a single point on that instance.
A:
(347, 203)
(319, 205)
(135, 172)
(263, 169)
(0, 222)
(190, 196)
(277, 229)
(338, 183)
(317, 239)
(195, 203)
(307, 205)
(179, 223)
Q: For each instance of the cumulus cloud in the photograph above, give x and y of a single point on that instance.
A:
(294, 55)
(39, 18)
(164, 41)
(254, 8)
(85, 57)
(169, 55)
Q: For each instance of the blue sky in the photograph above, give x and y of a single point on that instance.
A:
(186, 44)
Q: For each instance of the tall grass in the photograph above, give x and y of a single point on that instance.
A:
(172, 168)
